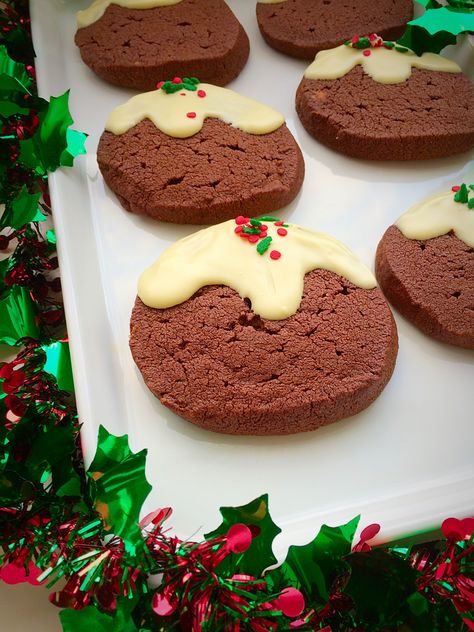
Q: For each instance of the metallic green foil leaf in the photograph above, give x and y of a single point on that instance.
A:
(312, 567)
(22, 210)
(17, 316)
(119, 487)
(259, 555)
(12, 68)
(437, 28)
(58, 363)
(89, 618)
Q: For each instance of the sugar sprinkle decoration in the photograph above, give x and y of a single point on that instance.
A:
(255, 232)
(461, 194)
(177, 83)
(366, 42)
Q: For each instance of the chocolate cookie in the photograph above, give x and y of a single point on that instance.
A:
(215, 360)
(206, 177)
(420, 113)
(430, 282)
(136, 48)
(301, 28)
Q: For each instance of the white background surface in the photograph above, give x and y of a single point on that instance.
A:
(406, 462)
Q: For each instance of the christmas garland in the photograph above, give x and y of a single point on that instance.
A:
(59, 521)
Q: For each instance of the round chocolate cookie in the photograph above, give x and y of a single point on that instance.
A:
(136, 48)
(431, 283)
(301, 28)
(429, 115)
(216, 363)
(206, 178)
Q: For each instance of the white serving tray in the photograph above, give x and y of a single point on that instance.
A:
(406, 462)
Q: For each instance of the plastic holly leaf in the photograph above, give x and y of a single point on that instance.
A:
(49, 452)
(380, 583)
(53, 144)
(437, 28)
(22, 210)
(428, 4)
(119, 487)
(58, 363)
(51, 237)
(13, 69)
(75, 147)
(89, 618)
(17, 316)
(259, 555)
(312, 567)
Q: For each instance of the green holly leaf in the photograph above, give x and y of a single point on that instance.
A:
(437, 28)
(428, 4)
(259, 555)
(58, 363)
(445, 19)
(311, 568)
(22, 210)
(119, 487)
(75, 147)
(17, 316)
(14, 69)
(54, 143)
(89, 618)
(380, 584)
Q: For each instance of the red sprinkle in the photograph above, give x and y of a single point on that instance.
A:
(262, 235)
(366, 52)
(456, 188)
(159, 84)
(183, 94)
(253, 239)
(279, 223)
(191, 114)
(372, 37)
(177, 80)
(263, 227)
(241, 219)
(275, 254)
(238, 229)
(282, 232)
(201, 93)
(355, 39)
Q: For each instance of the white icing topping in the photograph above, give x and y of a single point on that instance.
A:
(169, 112)
(436, 216)
(97, 9)
(383, 65)
(217, 256)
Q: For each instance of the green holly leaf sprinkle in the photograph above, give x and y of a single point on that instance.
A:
(462, 195)
(269, 218)
(264, 245)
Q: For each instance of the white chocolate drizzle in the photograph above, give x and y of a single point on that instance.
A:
(97, 9)
(438, 215)
(182, 113)
(218, 256)
(384, 65)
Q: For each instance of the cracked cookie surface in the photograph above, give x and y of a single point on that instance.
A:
(301, 28)
(216, 363)
(136, 48)
(428, 116)
(218, 173)
(431, 283)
